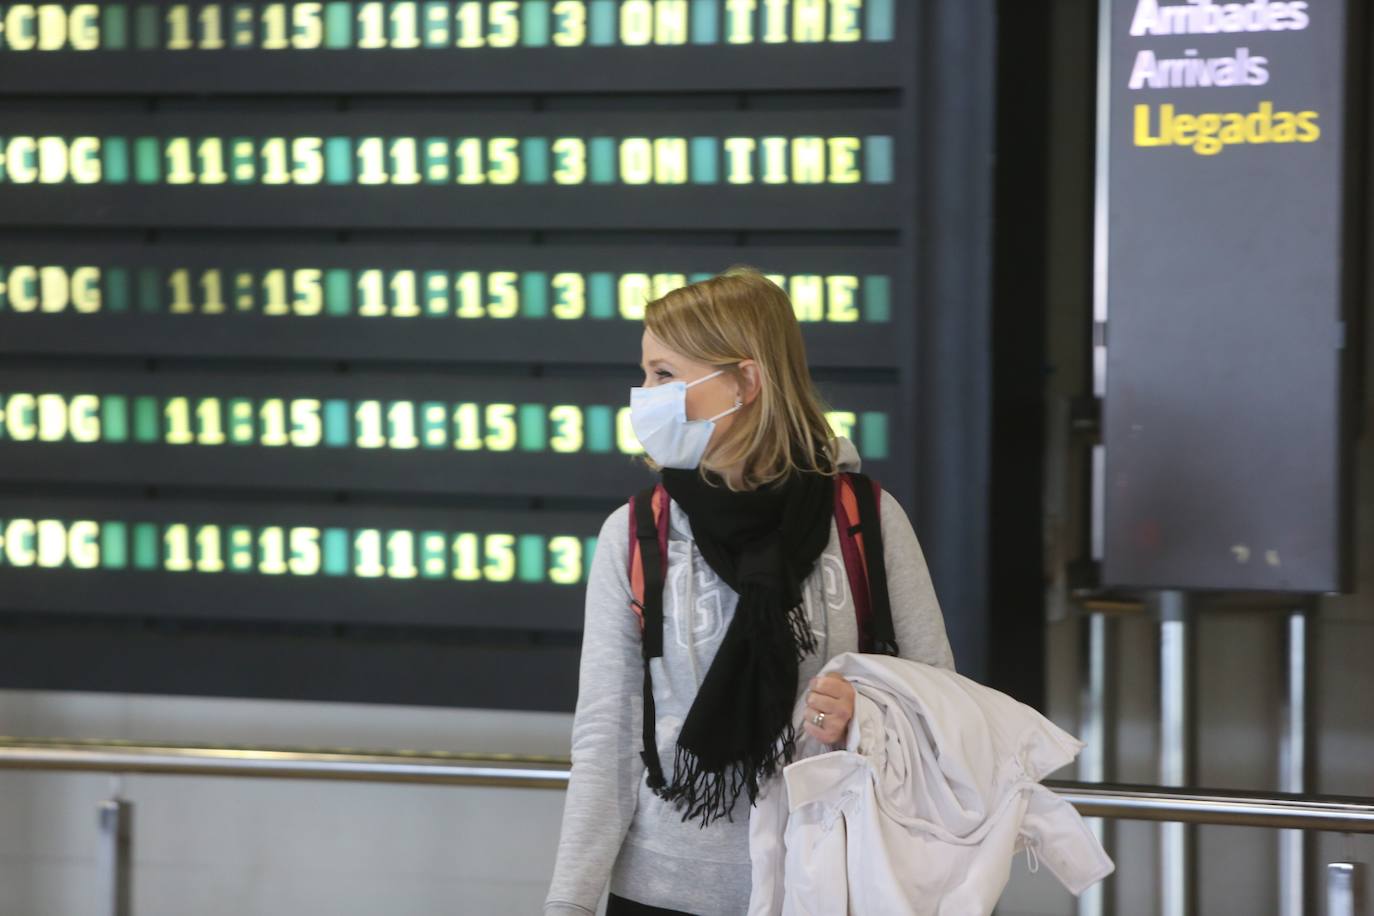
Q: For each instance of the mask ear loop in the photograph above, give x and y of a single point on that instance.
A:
(723, 413)
(738, 405)
(704, 378)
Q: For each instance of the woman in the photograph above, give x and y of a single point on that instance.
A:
(756, 601)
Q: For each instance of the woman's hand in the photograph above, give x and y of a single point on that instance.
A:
(834, 696)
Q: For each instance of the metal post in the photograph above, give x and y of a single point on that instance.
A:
(115, 856)
(1176, 841)
(1095, 704)
(1294, 768)
(1344, 889)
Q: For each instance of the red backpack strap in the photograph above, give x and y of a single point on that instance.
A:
(657, 498)
(648, 562)
(857, 498)
(635, 563)
(851, 546)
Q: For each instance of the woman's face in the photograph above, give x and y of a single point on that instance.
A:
(662, 365)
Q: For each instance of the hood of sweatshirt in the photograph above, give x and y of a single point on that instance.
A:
(848, 454)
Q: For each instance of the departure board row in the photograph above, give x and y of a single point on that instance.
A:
(368, 161)
(296, 562)
(415, 302)
(471, 295)
(484, 434)
(406, 26)
(364, 424)
(310, 169)
(449, 47)
(275, 550)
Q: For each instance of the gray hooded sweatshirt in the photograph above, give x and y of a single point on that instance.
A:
(614, 826)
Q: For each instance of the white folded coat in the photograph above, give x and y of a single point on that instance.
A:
(924, 809)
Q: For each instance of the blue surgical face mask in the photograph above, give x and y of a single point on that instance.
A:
(659, 418)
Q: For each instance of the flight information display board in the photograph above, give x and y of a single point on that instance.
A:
(319, 320)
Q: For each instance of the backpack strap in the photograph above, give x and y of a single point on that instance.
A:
(852, 548)
(861, 542)
(648, 555)
(657, 497)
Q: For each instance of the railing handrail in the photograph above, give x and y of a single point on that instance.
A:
(1114, 800)
(355, 764)
(1191, 805)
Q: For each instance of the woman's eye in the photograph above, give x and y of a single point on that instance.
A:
(663, 373)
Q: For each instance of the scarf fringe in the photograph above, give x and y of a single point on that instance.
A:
(803, 638)
(709, 795)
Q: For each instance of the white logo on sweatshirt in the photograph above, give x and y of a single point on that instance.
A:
(706, 622)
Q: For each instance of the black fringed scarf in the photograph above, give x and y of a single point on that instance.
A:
(763, 543)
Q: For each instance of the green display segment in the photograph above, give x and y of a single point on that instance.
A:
(293, 551)
(331, 293)
(460, 26)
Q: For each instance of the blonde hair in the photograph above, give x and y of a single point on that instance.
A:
(741, 314)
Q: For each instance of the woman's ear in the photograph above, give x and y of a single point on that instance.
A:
(751, 380)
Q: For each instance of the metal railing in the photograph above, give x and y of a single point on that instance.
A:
(431, 767)
(1110, 800)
